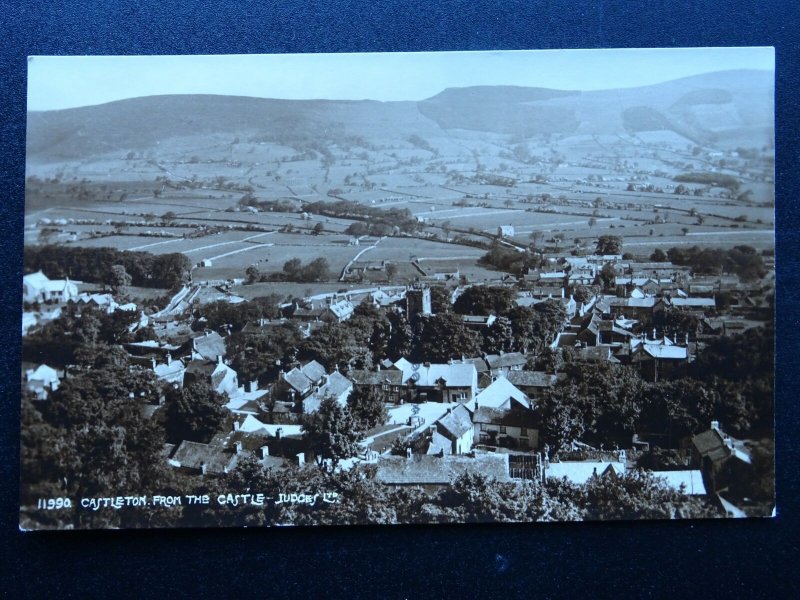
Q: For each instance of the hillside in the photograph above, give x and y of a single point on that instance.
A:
(703, 109)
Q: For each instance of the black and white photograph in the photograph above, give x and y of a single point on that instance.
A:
(398, 288)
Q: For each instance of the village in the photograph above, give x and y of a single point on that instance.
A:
(431, 381)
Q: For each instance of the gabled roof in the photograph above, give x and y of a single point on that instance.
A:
(298, 381)
(43, 373)
(432, 470)
(382, 377)
(336, 385)
(194, 455)
(342, 309)
(480, 364)
(580, 472)
(515, 417)
(693, 302)
(533, 378)
(711, 444)
(210, 345)
(313, 370)
(499, 393)
(509, 359)
(455, 423)
(429, 375)
(36, 280)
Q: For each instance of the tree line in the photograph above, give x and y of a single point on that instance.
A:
(96, 265)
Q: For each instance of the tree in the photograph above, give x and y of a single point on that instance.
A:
(606, 277)
(444, 336)
(391, 271)
(252, 273)
(485, 300)
(332, 432)
(685, 230)
(368, 407)
(592, 222)
(658, 255)
(609, 244)
(195, 413)
(639, 495)
(562, 420)
(120, 280)
(292, 268)
(318, 228)
(499, 337)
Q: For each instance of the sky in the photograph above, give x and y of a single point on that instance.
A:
(58, 82)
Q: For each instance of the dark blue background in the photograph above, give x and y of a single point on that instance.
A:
(690, 559)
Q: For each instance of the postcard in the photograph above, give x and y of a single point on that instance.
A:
(457, 287)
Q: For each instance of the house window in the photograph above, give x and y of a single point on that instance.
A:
(462, 396)
(523, 432)
(503, 429)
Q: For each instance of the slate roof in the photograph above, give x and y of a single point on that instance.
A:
(499, 392)
(193, 455)
(711, 444)
(693, 302)
(432, 470)
(209, 345)
(454, 375)
(455, 423)
(533, 378)
(517, 417)
(480, 364)
(297, 380)
(439, 444)
(313, 370)
(382, 377)
(342, 309)
(509, 359)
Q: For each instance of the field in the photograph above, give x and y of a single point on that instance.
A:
(558, 192)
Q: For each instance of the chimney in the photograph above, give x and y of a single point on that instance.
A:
(169, 359)
(219, 359)
(203, 468)
(153, 363)
(264, 452)
(238, 447)
(715, 425)
(408, 453)
(262, 321)
(278, 433)
(236, 425)
(301, 459)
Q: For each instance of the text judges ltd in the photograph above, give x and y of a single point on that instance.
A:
(119, 502)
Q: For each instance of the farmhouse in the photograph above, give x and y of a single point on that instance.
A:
(515, 427)
(501, 394)
(335, 386)
(219, 376)
(450, 382)
(388, 381)
(41, 381)
(505, 231)
(455, 427)
(659, 358)
(38, 288)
